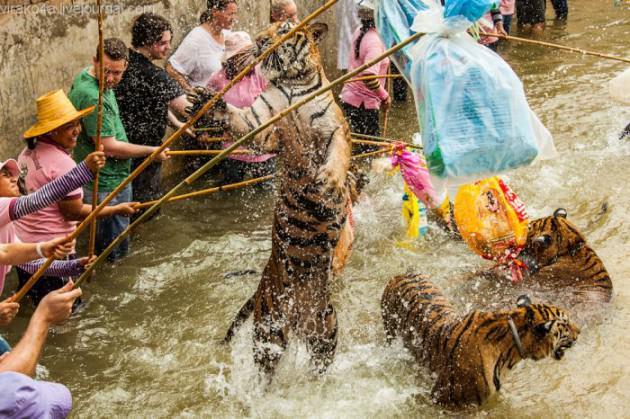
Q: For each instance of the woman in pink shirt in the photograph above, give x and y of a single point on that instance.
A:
(362, 100)
(46, 158)
(238, 55)
(13, 206)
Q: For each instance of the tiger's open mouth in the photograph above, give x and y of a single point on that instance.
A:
(559, 352)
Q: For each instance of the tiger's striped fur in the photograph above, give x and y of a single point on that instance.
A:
(557, 256)
(313, 144)
(469, 354)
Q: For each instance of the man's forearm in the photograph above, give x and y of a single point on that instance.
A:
(178, 77)
(122, 150)
(24, 356)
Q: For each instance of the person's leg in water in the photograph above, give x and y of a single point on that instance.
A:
(107, 229)
(507, 23)
(147, 186)
(363, 121)
(399, 85)
(561, 7)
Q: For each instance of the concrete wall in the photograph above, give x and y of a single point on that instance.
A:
(44, 44)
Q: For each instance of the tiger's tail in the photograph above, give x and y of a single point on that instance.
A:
(242, 315)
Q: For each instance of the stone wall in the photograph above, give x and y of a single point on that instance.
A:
(43, 44)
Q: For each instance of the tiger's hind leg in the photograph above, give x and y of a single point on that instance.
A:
(322, 346)
(271, 330)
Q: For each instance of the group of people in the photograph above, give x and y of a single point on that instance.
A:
(49, 189)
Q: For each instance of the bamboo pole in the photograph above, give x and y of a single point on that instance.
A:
(181, 130)
(250, 182)
(99, 122)
(197, 174)
(204, 152)
(557, 46)
(238, 185)
(385, 76)
(217, 152)
(385, 140)
(386, 115)
(368, 142)
(374, 153)
(209, 191)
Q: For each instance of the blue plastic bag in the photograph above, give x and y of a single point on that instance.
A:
(393, 22)
(475, 119)
(472, 10)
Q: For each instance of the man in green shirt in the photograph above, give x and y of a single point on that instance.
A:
(83, 94)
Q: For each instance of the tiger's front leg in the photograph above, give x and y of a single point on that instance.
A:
(333, 173)
(323, 345)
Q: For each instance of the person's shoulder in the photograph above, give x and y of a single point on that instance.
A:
(195, 37)
(84, 90)
(373, 35)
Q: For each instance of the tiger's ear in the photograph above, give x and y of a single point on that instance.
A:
(541, 330)
(560, 213)
(319, 31)
(523, 301)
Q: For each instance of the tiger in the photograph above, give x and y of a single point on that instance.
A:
(314, 147)
(556, 255)
(469, 354)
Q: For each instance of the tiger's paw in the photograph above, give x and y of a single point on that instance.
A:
(331, 181)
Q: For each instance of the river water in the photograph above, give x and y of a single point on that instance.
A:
(147, 342)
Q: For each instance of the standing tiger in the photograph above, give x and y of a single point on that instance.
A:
(313, 144)
(557, 257)
(469, 354)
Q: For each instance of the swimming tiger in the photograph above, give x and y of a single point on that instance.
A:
(313, 145)
(557, 256)
(469, 354)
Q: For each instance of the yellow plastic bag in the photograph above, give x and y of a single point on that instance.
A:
(491, 219)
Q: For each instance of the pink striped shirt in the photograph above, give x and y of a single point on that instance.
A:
(44, 164)
(356, 93)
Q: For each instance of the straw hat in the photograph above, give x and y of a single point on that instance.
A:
(235, 42)
(54, 109)
(11, 165)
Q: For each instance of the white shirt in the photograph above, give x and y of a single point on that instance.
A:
(198, 56)
(348, 22)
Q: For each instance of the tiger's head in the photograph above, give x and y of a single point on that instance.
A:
(550, 238)
(298, 57)
(543, 329)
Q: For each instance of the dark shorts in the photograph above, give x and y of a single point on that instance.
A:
(530, 12)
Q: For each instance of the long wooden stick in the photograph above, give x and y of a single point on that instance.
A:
(557, 46)
(254, 181)
(209, 191)
(386, 115)
(385, 140)
(217, 152)
(369, 142)
(99, 122)
(385, 76)
(374, 153)
(181, 130)
(197, 174)
(250, 182)
(204, 152)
